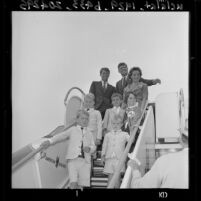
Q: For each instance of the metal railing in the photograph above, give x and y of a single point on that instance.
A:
(20, 157)
(182, 118)
(127, 176)
(66, 97)
(125, 153)
(30, 155)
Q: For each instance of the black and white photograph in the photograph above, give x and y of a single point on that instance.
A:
(100, 100)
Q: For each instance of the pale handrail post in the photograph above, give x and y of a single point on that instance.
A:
(125, 153)
(66, 97)
(182, 118)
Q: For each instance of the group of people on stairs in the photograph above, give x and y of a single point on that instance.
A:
(108, 115)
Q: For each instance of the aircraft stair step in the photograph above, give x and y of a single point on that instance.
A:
(98, 163)
(99, 187)
(98, 184)
(102, 179)
(101, 175)
(98, 174)
(98, 179)
(96, 168)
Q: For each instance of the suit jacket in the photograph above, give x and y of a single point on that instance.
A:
(120, 85)
(102, 99)
(75, 136)
(109, 114)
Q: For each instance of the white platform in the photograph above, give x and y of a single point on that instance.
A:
(167, 116)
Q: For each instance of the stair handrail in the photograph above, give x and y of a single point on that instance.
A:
(66, 97)
(125, 153)
(182, 118)
(33, 153)
(135, 151)
(30, 155)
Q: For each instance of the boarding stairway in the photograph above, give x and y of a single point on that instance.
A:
(35, 167)
(98, 179)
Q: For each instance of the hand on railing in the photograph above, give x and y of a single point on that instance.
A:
(134, 163)
(45, 144)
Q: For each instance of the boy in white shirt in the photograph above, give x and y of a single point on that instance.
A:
(81, 146)
(113, 148)
(111, 112)
(95, 119)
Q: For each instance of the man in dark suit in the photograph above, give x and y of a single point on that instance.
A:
(121, 84)
(102, 91)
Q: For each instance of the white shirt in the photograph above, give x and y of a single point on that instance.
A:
(168, 171)
(116, 109)
(76, 136)
(106, 83)
(109, 114)
(114, 144)
(95, 123)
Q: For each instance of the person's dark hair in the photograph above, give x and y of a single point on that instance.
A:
(104, 69)
(122, 64)
(127, 95)
(131, 71)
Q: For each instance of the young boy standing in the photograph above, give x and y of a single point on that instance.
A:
(81, 146)
(110, 113)
(95, 119)
(113, 148)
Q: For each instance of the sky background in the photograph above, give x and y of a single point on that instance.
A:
(54, 51)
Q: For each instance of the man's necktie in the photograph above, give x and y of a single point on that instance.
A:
(82, 151)
(123, 81)
(104, 86)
